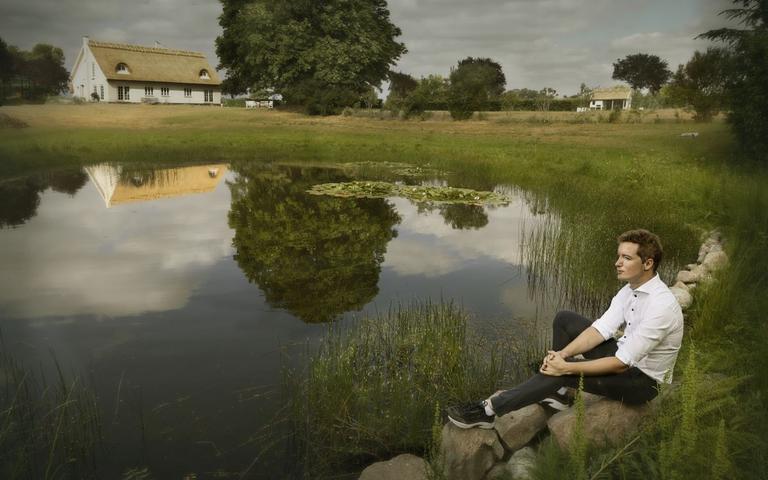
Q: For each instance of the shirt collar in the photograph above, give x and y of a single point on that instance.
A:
(648, 286)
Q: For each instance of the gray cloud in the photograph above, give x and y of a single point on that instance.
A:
(556, 43)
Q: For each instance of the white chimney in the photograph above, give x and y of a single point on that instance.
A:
(85, 40)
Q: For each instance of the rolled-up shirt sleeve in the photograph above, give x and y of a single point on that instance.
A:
(613, 318)
(656, 324)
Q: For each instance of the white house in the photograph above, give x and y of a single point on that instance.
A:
(614, 98)
(123, 73)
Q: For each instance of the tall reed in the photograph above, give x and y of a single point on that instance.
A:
(370, 391)
(47, 431)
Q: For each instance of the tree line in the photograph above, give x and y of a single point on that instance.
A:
(324, 56)
(31, 74)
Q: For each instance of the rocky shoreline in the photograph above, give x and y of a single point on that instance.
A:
(509, 449)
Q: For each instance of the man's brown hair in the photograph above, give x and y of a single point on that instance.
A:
(649, 245)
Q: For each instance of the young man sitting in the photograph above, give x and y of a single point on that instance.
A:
(628, 369)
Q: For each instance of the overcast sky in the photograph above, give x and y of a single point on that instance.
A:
(553, 43)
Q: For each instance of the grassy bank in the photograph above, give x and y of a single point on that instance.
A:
(593, 179)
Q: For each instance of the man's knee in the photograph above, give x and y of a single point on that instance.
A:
(561, 319)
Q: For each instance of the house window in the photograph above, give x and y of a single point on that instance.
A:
(123, 93)
(93, 71)
(187, 92)
(101, 92)
(122, 69)
(204, 75)
(149, 91)
(164, 91)
(208, 95)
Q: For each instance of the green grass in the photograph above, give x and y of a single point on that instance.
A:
(371, 391)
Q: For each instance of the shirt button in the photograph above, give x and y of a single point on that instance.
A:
(635, 295)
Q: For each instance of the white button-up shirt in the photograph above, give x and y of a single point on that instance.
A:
(653, 331)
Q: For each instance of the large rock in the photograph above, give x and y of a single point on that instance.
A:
(715, 260)
(606, 421)
(517, 428)
(402, 467)
(691, 276)
(468, 454)
(518, 466)
(521, 463)
(683, 296)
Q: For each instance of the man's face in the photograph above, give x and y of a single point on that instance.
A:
(629, 266)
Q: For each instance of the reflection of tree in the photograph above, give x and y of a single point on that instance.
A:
(67, 181)
(459, 216)
(315, 256)
(19, 199)
(462, 217)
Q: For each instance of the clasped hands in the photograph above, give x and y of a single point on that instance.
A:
(554, 364)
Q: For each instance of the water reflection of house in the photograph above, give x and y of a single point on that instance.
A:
(118, 185)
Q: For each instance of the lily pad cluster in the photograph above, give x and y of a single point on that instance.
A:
(418, 193)
(402, 169)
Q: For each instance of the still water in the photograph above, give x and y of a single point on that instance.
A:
(180, 292)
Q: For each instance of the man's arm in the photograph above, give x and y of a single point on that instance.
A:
(556, 366)
(586, 341)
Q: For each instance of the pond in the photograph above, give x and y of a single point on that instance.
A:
(179, 293)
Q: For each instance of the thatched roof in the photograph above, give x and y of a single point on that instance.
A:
(612, 93)
(151, 64)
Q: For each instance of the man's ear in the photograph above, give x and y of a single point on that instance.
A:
(648, 264)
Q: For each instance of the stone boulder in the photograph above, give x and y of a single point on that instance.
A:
(468, 454)
(401, 467)
(691, 276)
(715, 260)
(517, 428)
(606, 421)
(518, 467)
(683, 296)
(521, 462)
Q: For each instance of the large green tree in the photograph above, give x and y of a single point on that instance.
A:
(748, 78)
(701, 83)
(322, 55)
(400, 86)
(7, 68)
(474, 84)
(315, 256)
(642, 70)
(37, 72)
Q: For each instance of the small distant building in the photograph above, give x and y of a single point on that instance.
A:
(614, 98)
(122, 73)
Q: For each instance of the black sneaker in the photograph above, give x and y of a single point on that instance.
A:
(557, 401)
(470, 415)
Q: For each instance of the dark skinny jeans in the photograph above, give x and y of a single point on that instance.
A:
(631, 386)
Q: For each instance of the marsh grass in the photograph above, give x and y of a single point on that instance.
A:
(47, 430)
(713, 424)
(372, 391)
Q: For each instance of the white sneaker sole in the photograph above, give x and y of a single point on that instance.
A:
(555, 404)
(483, 425)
